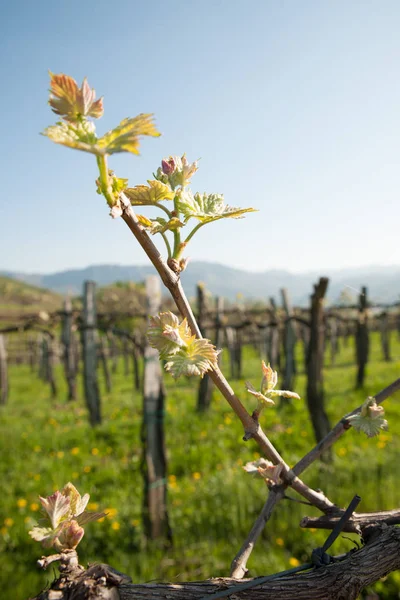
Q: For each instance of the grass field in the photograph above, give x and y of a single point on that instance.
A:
(212, 501)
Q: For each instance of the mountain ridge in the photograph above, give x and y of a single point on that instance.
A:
(221, 280)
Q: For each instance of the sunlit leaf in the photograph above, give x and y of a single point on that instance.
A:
(267, 392)
(207, 207)
(265, 469)
(260, 397)
(167, 334)
(196, 358)
(77, 502)
(159, 225)
(125, 137)
(40, 534)
(283, 394)
(156, 191)
(176, 170)
(57, 506)
(88, 517)
(70, 102)
(80, 136)
(271, 473)
(370, 419)
(270, 378)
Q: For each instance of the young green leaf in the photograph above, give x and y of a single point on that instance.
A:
(267, 391)
(196, 358)
(176, 171)
(370, 419)
(80, 136)
(66, 513)
(167, 334)
(156, 191)
(265, 469)
(125, 137)
(57, 507)
(77, 503)
(207, 207)
(159, 225)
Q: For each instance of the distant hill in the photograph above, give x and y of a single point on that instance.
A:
(383, 282)
(17, 297)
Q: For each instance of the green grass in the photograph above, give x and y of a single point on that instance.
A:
(212, 501)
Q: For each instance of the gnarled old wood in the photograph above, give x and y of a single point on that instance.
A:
(341, 580)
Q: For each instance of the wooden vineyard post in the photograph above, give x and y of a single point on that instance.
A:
(136, 353)
(362, 338)
(233, 341)
(32, 349)
(315, 362)
(305, 339)
(289, 342)
(3, 372)
(103, 352)
(333, 338)
(46, 368)
(69, 355)
(42, 370)
(219, 330)
(204, 393)
(125, 351)
(113, 351)
(89, 344)
(273, 346)
(384, 327)
(154, 462)
(50, 343)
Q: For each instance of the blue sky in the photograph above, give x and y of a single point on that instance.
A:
(292, 106)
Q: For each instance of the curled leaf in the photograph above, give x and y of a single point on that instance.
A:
(176, 171)
(207, 207)
(370, 419)
(270, 378)
(71, 102)
(196, 358)
(66, 513)
(260, 397)
(265, 469)
(167, 334)
(69, 536)
(125, 137)
(80, 136)
(42, 534)
(159, 225)
(156, 191)
(77, 503)
(267, 391)
(57, 507)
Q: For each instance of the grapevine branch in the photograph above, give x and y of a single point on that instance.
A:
(238, 568)
(251, 426)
